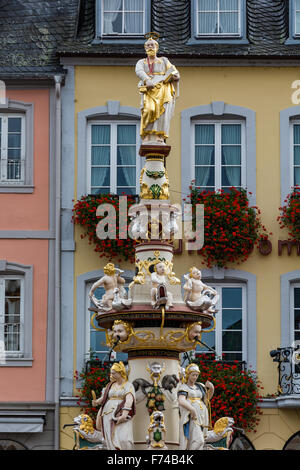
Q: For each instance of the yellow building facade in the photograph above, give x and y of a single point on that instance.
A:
(259, 96)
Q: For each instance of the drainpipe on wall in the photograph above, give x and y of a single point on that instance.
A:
(58, 81)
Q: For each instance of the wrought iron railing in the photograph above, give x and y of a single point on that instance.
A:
(288, 360)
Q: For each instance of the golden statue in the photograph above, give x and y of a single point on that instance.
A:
(159, 88)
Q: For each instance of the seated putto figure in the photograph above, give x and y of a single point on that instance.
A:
(199, 296)
(159, 294)
(115, 292)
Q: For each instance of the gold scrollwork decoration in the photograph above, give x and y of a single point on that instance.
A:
(93, 324)
(212, 328)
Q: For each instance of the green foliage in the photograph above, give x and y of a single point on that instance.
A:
(84, 214)
(290, 214)
(231, 227)
(236, 391)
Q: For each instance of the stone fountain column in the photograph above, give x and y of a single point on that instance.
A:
(156, 333)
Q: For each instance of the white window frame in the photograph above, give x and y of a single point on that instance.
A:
(88, 327)
(297, 33)
(239, 11)
(292, 165)
(4, 148)
(3, 278)
(219, 328)
(113, 153)
(292, 311)
(218, 149)
(105, 35)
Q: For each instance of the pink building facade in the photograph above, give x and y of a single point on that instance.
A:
(31, 84)
(27, 265)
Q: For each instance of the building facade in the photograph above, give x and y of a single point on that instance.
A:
(237, 66)
(71, 110)
(31, 80)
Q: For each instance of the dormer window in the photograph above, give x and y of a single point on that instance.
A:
(218, 18)
(122, 17)
(297, 17)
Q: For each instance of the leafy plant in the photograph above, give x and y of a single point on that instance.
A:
(94, 378)
(84, 214)
(231, 227)
(290, 214)
(236, 393)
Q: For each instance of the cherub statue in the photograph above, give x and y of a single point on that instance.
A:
(159, 293)
(199, 296)
(111, 281)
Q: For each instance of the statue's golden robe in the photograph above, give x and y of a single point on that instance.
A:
(157, 103)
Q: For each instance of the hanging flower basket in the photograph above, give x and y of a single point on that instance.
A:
(231, 227)
(94, 379)
(237, 392)
(84, 214)
(290, 214)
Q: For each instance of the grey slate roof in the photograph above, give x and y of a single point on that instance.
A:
(29, 33)
(267, 31)
(35, 33)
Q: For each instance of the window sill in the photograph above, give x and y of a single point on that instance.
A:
(14, 188)
(284, 401)
(17, 362)
(118, 40)
(292, 40)
(217, 40)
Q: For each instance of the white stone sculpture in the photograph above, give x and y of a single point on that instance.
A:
(220, 437)
(110, 281)
(199, 296)
(159, 88)
(159, 293)
(193, 399)
(117, 408)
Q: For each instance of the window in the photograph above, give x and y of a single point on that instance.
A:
(16, 147)
(218, 18)
(230, 151)
(295, 167)
(16, 299)
(295, 313)
(122, 18)
(95, 339)
(12, 147)
(297, 17)
(219, 155)
(241, 442)
(9, 444)
(229, 336)
(293, 7)
(112, 157)
(293, 443)
(12, 315)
